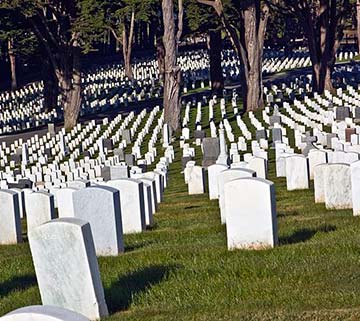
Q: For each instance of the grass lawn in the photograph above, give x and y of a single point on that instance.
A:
(181, 269)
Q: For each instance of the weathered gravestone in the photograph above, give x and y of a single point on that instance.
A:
(250, 214)
(114, 172)
(10, 224)
(261, 134)
(309, 141)
(100, 206)
(43, 313)
(342, 112)
(297, 172)
(337, 182)
(348, 133)
(130, 159)
(276, 135)
(66, 267)
(211, 151)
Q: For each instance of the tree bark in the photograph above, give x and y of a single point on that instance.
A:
(12, 59)
(70, 86)
(358, 23)
(172, 105)
(160, 54)
(216, 73)
(127, 42)
(51, 87)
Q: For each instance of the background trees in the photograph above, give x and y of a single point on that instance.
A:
(323, 23)
(245, 23)
(120, 18)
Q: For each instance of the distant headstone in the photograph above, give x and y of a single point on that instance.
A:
(348, 133)
(276, 135)
(51, 129)
(261, 134)
(211, 151)
(342, 113)
(130, 159)
(199, 134)
(126, 135)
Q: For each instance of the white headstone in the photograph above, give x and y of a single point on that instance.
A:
(10, 225)
(66, 267)
(100, 206)
(250, 214)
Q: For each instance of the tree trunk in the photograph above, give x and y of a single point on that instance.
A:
(12, 59)
(71, 89)
(127, 47)
(247, 39)
(51, 87)
(358, 23)
(253, 35)
(216, 73)
(172, 105)
(160, 54)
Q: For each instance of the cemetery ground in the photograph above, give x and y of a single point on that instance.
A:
(181, 269)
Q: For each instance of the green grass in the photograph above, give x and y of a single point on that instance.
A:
(181, 270)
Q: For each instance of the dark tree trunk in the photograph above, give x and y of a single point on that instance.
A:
(160, 54)
(358, 23)
(172, 105)
(70, 86)
(51, 87)
(216, 73)
(127, 43)
(12, 59)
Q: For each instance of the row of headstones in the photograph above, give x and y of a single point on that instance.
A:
(108, 87)
(91, 222)
(247, 203)
(70, 171)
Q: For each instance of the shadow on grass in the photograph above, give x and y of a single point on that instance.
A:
(137, 246)
(305, 234)
(17, 283)
(120, 294)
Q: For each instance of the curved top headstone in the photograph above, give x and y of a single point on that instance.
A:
(43, 313)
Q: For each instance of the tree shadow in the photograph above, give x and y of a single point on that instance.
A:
(305, 234)
(120, 294)
(137, 245)
(17, 283)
